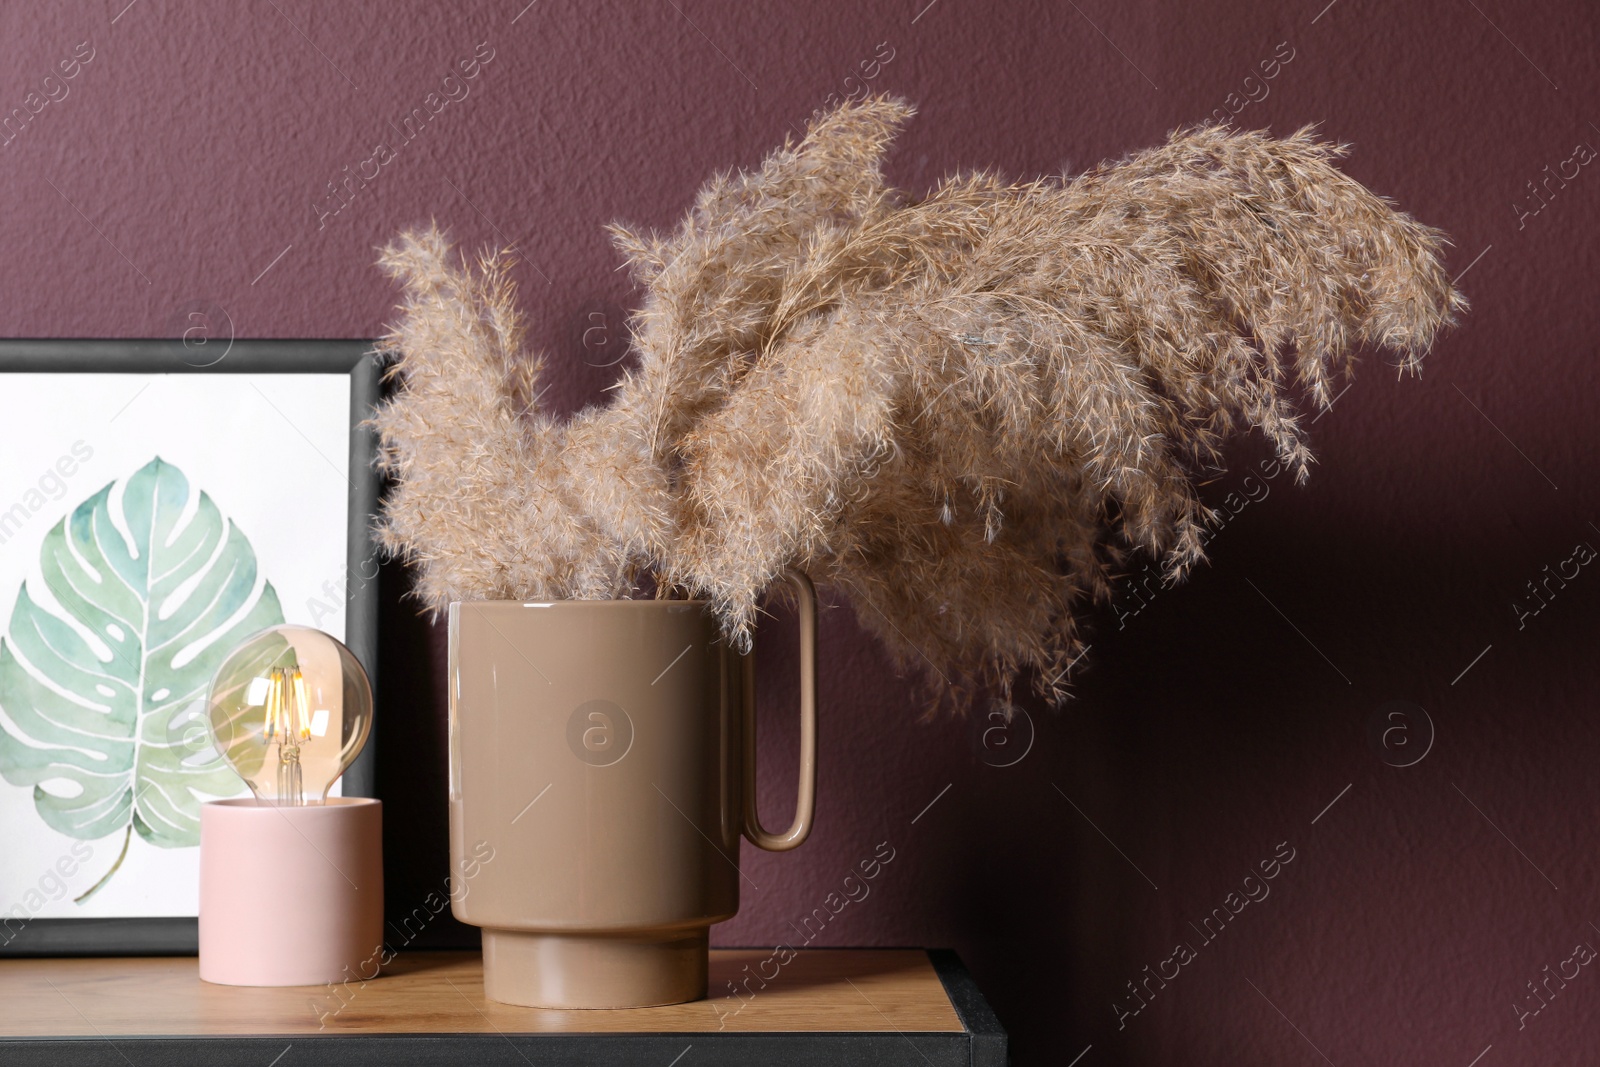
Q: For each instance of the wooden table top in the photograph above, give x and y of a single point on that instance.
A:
(889, 991)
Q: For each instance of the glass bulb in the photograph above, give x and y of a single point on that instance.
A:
(290, 708)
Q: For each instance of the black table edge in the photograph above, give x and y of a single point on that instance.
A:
(987, 1036)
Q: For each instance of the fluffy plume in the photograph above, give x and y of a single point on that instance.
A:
(963, 412)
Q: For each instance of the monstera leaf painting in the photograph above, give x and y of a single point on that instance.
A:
(105, 695)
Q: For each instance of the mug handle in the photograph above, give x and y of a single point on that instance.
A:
(805, 805)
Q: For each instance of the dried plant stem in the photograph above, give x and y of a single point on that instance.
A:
(964, 412)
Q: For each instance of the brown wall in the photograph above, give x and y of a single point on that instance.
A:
(1216, 722)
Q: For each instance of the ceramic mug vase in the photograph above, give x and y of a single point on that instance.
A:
(602, 771)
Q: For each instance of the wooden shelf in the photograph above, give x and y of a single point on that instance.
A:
(826, 1006)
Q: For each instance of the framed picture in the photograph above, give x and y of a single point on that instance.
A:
(159, 502)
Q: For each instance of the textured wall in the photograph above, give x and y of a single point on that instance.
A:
(187, 166)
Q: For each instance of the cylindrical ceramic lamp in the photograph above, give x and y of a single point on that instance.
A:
(291, 880)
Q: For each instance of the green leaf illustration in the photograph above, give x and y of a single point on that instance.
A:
(107, 698)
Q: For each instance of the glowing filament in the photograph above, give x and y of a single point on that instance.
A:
(287, 723)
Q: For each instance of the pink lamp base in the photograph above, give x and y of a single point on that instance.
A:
(290, 896)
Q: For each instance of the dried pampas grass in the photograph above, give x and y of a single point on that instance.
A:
(963, 412)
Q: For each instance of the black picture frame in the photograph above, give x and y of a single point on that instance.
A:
(156, 936)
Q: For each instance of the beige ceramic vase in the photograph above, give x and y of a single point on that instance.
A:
(602, 769)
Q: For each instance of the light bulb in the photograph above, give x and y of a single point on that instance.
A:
(290, 709)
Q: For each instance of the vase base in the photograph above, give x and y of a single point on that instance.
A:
(594, 970)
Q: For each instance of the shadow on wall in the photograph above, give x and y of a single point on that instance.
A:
(1116, 885)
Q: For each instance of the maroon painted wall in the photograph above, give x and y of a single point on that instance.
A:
(187, 165)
